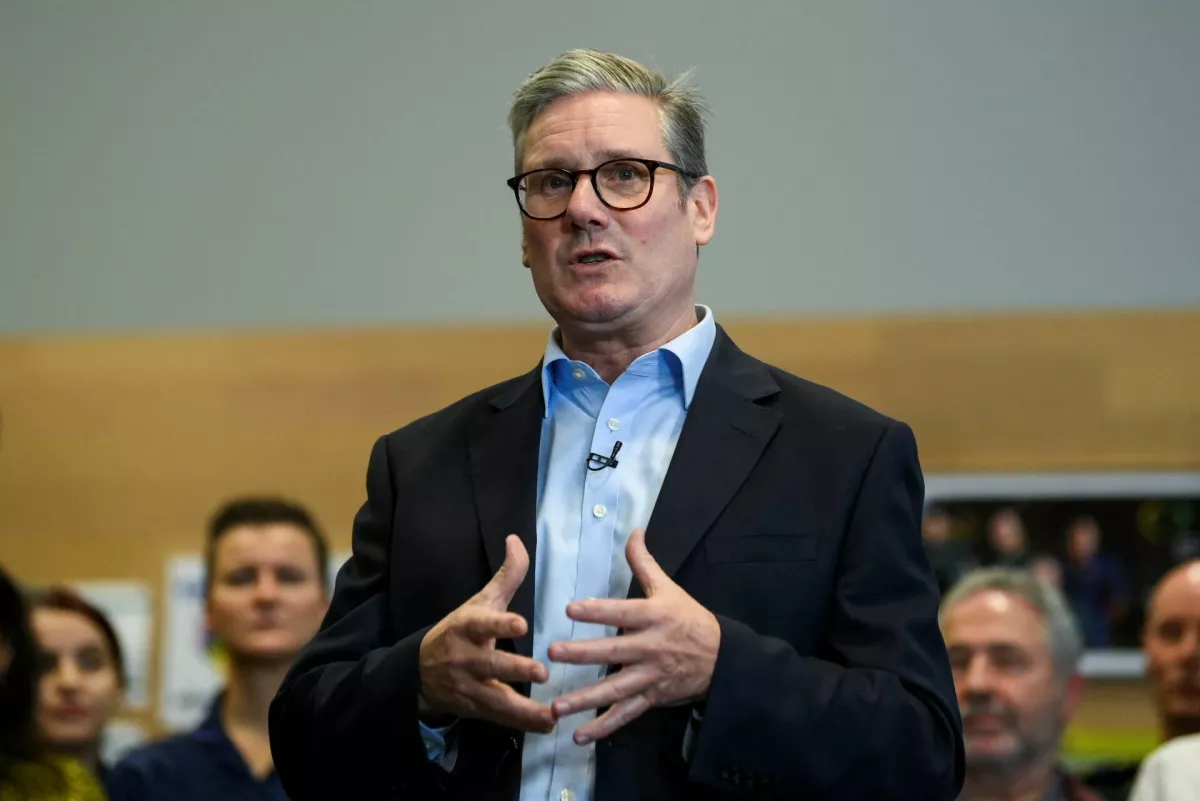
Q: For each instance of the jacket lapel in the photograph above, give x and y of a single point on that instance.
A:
(722, 439)
(504, 444)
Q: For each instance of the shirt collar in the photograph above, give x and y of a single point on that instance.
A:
(211, 729)
(691, 349)
(211, 732)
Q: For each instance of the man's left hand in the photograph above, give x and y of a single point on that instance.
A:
(668, 650)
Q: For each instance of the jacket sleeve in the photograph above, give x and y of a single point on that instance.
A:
(876, 717)
(344, 722)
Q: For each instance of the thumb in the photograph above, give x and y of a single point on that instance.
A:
(499, 592)
(645, 569)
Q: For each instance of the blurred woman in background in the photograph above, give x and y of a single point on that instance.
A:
(27, 773)
(83, 675)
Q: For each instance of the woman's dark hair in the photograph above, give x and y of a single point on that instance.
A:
(18, 682)
(63, 599)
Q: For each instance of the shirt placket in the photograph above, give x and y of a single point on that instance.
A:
(597, 538)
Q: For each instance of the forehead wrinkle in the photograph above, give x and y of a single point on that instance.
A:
(608, 154)
(578, 130)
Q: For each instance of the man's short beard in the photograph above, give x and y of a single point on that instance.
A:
(1033, 747)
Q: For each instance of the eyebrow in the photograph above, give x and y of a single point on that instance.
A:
(563, 163)
(990, 645)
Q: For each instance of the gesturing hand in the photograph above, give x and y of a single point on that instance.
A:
(462, 672)
(668, 650)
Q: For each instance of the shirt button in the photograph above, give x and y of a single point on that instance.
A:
(566, 795)
(613, 424)
(579, 376)
(599, 510)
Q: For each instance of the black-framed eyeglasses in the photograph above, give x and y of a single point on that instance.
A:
(621, 184)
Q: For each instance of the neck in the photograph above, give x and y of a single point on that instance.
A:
(245, 710)
(249, 692)
(610, 354)
(1180, 727)
(1031, 785)
(88, 754)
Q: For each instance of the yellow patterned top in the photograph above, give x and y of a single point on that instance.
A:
(55, 779)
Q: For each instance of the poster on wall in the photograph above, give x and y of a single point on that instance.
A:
(120, 736)
(1105, 539)
(190, 672)
(192, 668)
(127, 604)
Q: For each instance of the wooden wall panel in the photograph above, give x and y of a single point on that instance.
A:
(114, 450)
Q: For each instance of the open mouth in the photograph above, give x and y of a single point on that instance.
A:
(592, 258)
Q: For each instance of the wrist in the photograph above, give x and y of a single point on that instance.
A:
(432, 715)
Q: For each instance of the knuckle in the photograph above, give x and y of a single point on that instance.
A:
(482, 666)
(458, 686)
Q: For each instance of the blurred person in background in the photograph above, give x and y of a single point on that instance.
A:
(1171, 640)
(1094, 582)
(266, 592)
(1045, 567)
(951, 557)
(1171, 773)
(1015, 649)
(1171, 643)
(83, 675)
(27, 771)
(1008, 539)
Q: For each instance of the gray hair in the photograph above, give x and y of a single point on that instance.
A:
(681, 109)
(1062, 631)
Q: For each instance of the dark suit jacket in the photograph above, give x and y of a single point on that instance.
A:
(792, 512)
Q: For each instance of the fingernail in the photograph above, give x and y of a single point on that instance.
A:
(582, 739)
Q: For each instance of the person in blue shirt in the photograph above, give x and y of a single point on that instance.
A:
(1094, 582)
(651, 567)
(266, 593)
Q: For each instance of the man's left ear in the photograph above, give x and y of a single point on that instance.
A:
(1073, 695)
(524, 253)
(702, 201)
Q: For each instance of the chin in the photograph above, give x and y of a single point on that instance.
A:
(73, 737)
(595, 308)
(982, 760)
(989, 749)
(1184, 709)
(268, 650)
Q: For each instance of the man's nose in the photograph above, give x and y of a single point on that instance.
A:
(266, 589)
(1189, 646)
(977, 676)
(584, 207)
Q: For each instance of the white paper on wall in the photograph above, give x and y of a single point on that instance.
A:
(128, 606)
(119, 738)
(190, 677)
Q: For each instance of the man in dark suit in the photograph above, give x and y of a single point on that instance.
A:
(651, 568)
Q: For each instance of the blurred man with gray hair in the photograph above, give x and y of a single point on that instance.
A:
(652, 567)
(1014, 649)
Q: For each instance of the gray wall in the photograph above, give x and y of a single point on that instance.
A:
(310, 162)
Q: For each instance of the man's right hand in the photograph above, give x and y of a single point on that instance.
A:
(462, 672)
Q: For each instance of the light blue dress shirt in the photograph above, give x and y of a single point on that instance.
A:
(584, 519)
